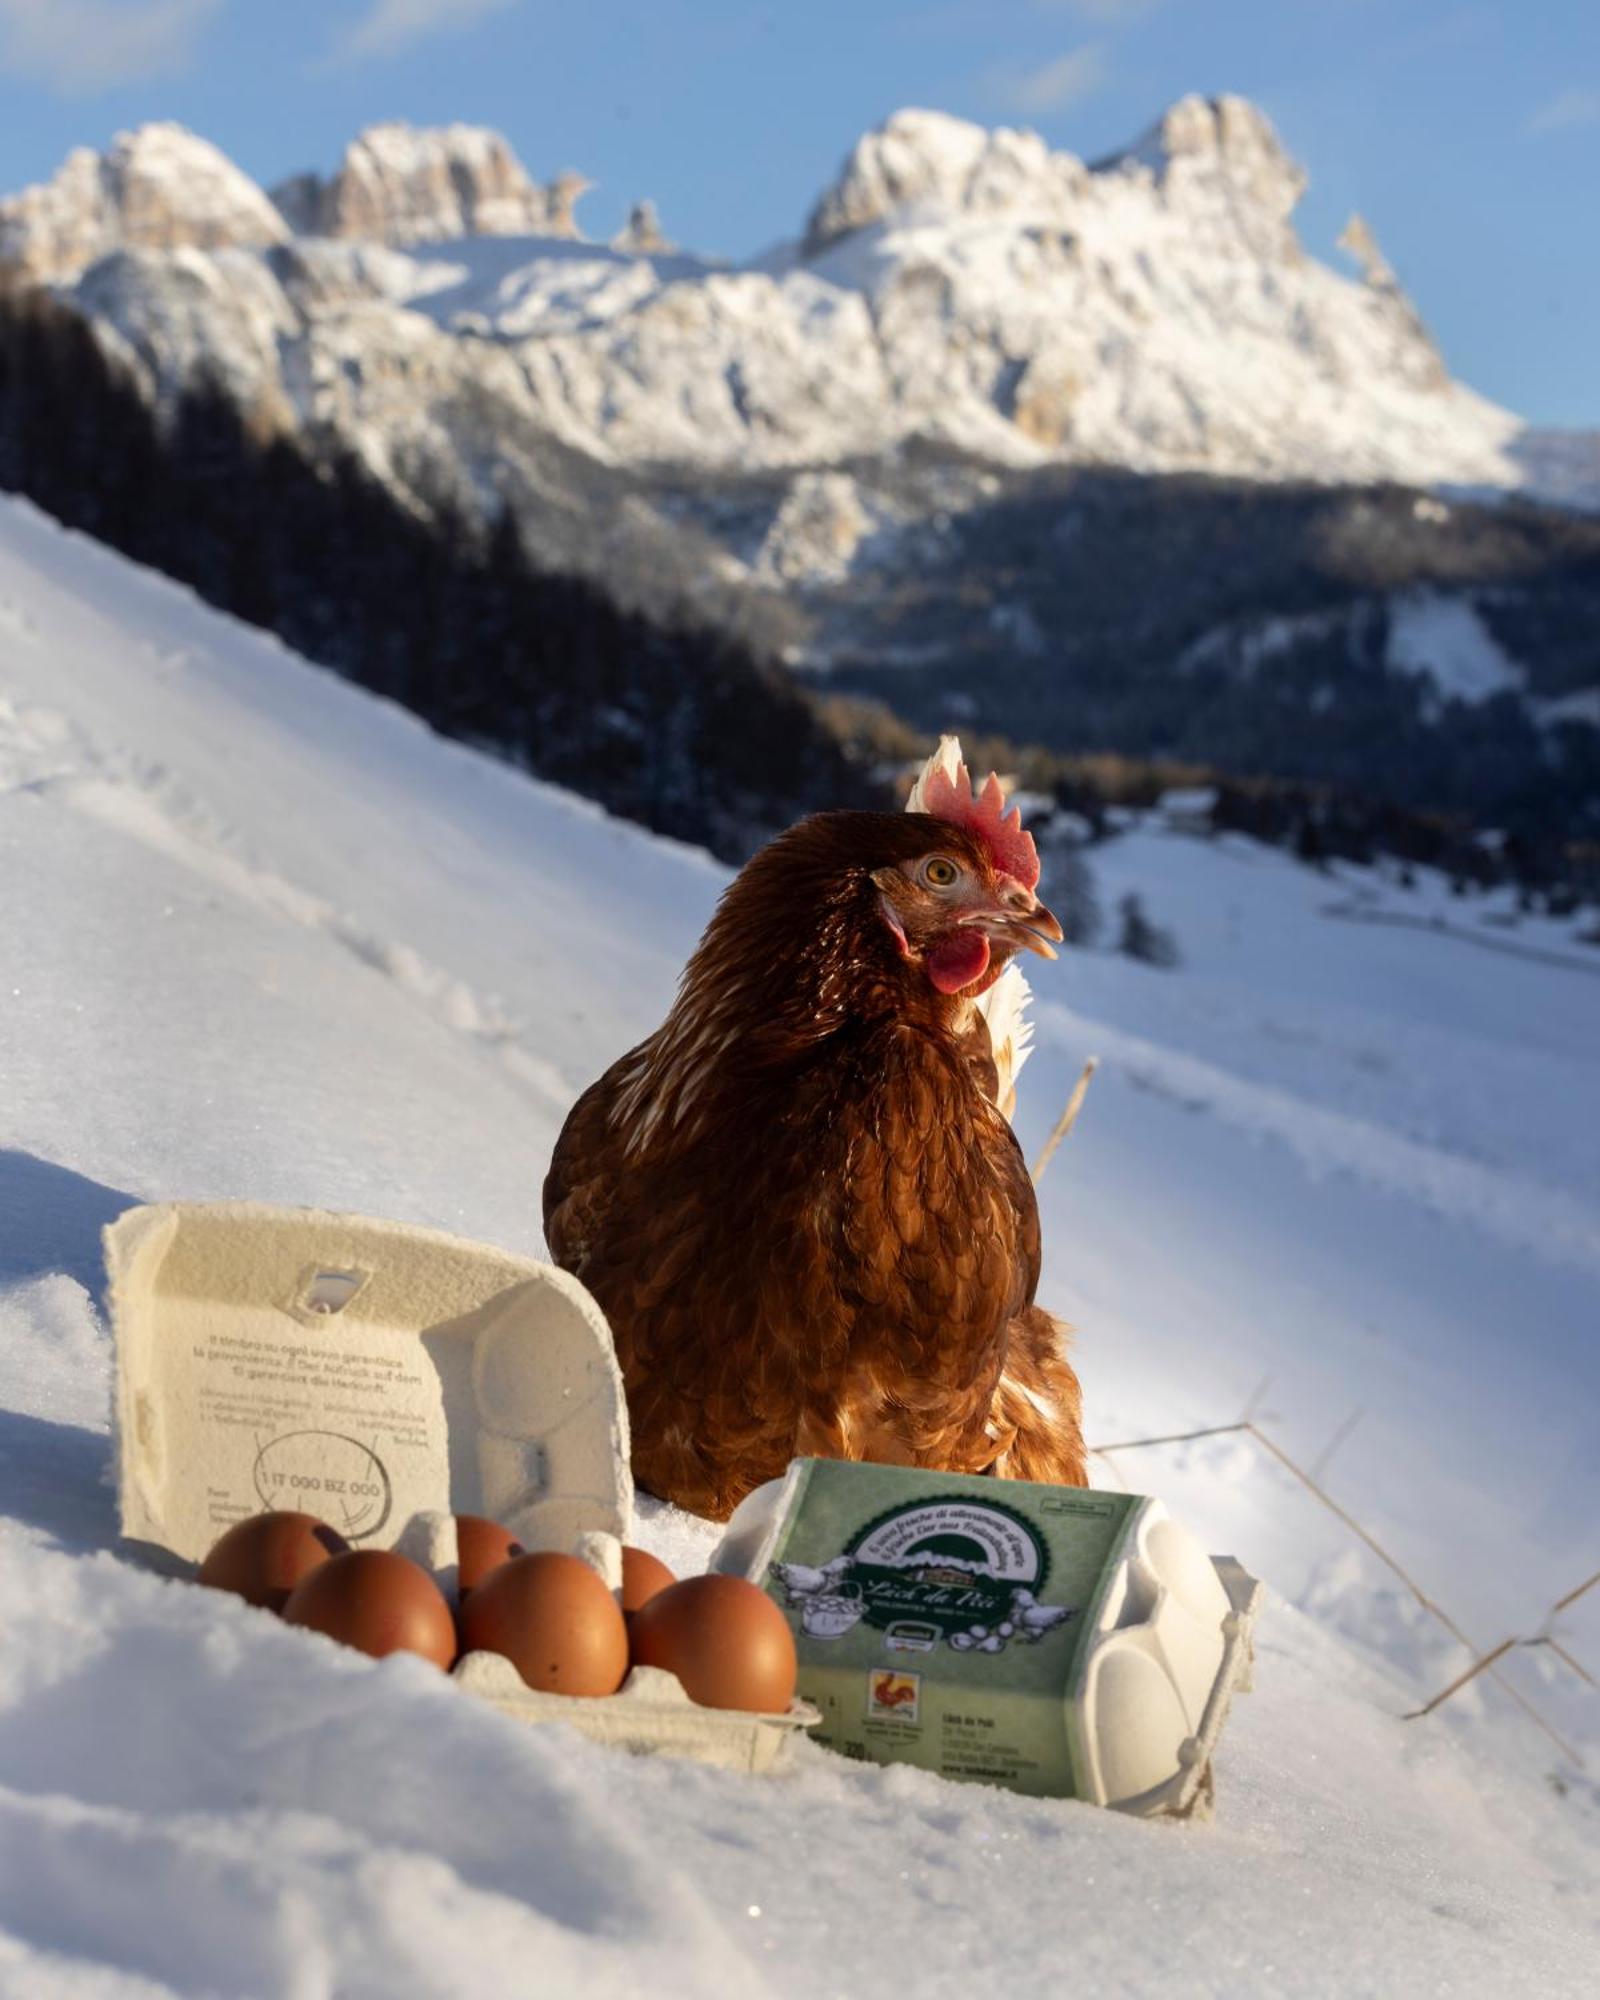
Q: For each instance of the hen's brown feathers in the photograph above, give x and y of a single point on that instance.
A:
(808, 1224)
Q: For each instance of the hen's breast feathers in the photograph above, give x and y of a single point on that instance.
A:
(831, 1264)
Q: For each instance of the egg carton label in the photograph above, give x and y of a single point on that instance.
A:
(960, 1605)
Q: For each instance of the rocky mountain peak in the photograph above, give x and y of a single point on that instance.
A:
(1216, 155)
(401, 183)
(1224, 153)
(1358, 242)
(1227, 131)
(640, 235)
(1413, 352)
(157, 188)
(925, 157)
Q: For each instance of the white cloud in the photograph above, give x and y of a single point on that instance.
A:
(1053, 85)
(1107, 11)
(80, 47)
(390, 26)
(1566, 111)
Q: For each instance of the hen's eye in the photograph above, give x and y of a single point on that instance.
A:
(939, 872)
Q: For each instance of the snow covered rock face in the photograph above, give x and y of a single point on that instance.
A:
(159, 188)
(1219, 154)
(399, 184)
(923, 158)
(1154, 310)
(815, 531)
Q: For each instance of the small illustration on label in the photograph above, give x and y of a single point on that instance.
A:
(892, 1694)
(910, 1635)
(829, 1614)
(965, 1571)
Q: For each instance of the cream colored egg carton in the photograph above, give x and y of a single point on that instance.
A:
(385, 1378)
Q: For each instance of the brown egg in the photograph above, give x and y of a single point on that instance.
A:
(554, 1620)
(263, 1558)
(642, 1576)
(726, 1641)
(482, 1546)
(378, 1602)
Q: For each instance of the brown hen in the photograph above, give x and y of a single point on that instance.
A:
(798, 1203)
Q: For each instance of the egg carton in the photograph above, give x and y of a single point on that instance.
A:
(1095, 1655)
(650, 1714)
(384, 1378)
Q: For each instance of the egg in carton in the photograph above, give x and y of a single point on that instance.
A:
(386, 1378)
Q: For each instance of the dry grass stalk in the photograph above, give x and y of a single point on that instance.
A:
(1485, 1664)
(1542, 1637)
(1067, 1120)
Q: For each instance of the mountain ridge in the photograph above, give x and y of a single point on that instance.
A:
(1155, 309)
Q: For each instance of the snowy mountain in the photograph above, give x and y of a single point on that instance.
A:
(1154, 310)
(940, 448)
(268, 937)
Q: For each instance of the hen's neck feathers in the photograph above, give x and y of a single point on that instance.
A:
(795, 955)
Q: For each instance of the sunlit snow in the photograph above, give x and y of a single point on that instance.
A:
(266, 936)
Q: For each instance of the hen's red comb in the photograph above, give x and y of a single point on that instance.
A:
(948, 795)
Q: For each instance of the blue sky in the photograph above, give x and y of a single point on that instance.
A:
(1468, 134)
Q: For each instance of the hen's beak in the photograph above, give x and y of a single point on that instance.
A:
(1017, 917)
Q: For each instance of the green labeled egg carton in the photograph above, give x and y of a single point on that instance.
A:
(1054, 1640)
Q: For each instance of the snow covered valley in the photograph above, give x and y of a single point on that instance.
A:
(262, 935)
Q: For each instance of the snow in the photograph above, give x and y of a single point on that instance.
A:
(1255, 642)
(266, 936)
(1446, 639)
(1188, 805)
(1582, 707)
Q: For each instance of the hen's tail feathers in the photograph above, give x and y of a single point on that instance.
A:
(1005, 1006)
(1037, 1412)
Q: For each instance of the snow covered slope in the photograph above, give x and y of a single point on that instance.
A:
(266, 936)
(1155, 310)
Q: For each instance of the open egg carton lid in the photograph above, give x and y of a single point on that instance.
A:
(384, 1377)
